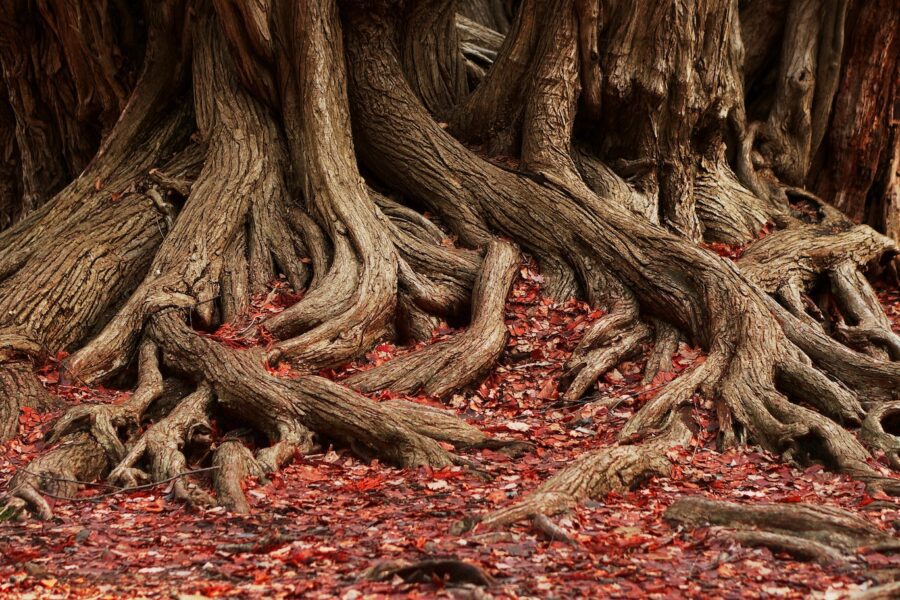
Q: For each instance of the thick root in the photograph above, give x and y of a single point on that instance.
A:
(365, 264)
(880, 430)
(441, 368)
(233, 463)
(806, 531)
(444, 426)
(60, 472)
(245, 163)
(664, 347)
(245, 388)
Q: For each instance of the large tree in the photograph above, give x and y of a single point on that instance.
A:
(164, 161)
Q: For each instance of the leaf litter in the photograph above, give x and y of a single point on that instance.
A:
(319, 525)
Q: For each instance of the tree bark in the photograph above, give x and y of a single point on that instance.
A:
(617, 143)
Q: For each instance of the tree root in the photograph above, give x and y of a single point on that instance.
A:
(234, 462)
(104, 421)
(808, 532)
(61, 472)
(664, 347)
(188, 270)
(436, 278)
(615, 336)
(441, 368)
(163, 445)
(593, 475)
(880, 430)
(245, 388)
(364, 268)
(444, 426)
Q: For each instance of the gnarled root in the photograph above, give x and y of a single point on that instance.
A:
(806, 531)
(665, 345)
(245, 388)
(442, 425)
(163, 446)
(593, 475)
(105, 421)
(615, 336)
(441, 368)
(881, 430)
(60, 472)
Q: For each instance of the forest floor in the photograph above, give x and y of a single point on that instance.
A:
(319, 524)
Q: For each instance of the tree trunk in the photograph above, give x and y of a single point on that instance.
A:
(266, 146)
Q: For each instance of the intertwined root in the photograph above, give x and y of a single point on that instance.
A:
(776, 375)
(441, 368)
(105, 422)
(163, 446)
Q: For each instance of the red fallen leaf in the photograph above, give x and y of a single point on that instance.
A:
(260, 576)
(548, 390)
(18, 555)
(632, 541)
(447, 473)
(792, 498)
(369, 483)
(157, 506)
(662, 377)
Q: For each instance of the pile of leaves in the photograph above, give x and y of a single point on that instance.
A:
(320, 525)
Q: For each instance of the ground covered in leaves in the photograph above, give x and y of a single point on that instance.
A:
(320, 524)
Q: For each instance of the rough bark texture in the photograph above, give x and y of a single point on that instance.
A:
(155, 176)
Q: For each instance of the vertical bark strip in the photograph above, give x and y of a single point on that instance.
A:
(314, 90)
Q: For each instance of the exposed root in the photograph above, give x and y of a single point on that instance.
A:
(431, 56)
(245, 388)
(872, 380)
(479, 46)
(245, 163)
(800, 255)
(163, 447)
(436, 278)
(655, 414)
(364, 268)
(868, 329)
(593, 475)
(729, 213)
(60, 472)
(615, 336)
(808, 532)
(444, 426)
(797, 377)
(664, 347)
(104, 421)
(879, 592)
(441, 368)
(234, 462)
(881, 430)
